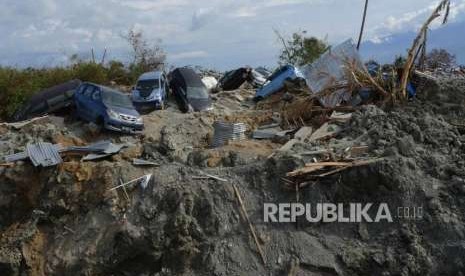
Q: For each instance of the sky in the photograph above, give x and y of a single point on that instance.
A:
(211, 33)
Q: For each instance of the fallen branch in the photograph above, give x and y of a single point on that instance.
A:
(252, 229)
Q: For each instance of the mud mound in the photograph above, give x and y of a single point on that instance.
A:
(66, 220)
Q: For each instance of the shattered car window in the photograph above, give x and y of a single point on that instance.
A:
(114, 98)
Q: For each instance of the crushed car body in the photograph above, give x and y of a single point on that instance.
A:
(276, 81)
(48, 100)
(150, 91)
(189, 90)
(108, 108)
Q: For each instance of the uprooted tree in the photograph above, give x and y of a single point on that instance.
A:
(300, 49)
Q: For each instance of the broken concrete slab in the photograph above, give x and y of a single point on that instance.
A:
(325, 131)
(303, 133)
(340, 116)
(288, 146)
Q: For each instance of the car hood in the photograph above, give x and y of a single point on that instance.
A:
(124, 110)
(200, 104)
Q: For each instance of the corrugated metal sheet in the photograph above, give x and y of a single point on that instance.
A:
(328, 71)
(43, 154)
(225, 132)
(25, 155)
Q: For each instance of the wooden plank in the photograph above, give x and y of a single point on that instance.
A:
(328, 164)
(304, 170)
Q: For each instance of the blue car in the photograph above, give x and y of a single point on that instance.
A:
(107, 107)
(150, 92)
(275, 82)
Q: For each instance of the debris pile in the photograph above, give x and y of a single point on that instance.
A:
(186, 195)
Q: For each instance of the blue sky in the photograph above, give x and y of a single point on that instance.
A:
(218, 34)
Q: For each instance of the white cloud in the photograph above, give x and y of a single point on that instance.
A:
(228, 32)
(202, 17)
(413, 20)
(188, 55)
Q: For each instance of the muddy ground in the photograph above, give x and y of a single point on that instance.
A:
(64, 220)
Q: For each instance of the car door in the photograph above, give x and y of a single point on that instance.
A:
(97, 108)
(80, 101)
(85, 101)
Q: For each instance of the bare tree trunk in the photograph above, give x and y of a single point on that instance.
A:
(443, 5)
(363, 25)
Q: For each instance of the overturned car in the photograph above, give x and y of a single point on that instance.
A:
(48, 100)
(189, 90)
(276, 81)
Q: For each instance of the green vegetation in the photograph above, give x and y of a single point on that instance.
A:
(301, 49)
(17, 85)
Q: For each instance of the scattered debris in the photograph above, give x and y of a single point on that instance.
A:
(104, 149)
(19, 125)
(209, 176)
(143, 181)
(210, 82)
(276, 82)
(38, 154)
(325, 131)
(140, 162)
(225, 132)
(44, 154)
(303, 133)
(326, 77)
(323, 169)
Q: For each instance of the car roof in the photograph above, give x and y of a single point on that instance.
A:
(106, 88)
(190, 77)
(151, 75)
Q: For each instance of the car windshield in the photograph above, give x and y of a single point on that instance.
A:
(197, 93)
(148, 84)
(115, 98)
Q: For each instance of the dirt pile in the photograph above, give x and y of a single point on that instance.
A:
(66, 220)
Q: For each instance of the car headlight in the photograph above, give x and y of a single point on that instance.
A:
(139, 120)
(112, 114)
